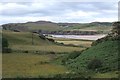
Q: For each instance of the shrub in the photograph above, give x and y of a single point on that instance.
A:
(25, 51)
(94, 64)
(63, 62)
(52, 52)
(5, 45)
(42, 36)
(52, 40)
(6, 50)
(4, 42)
(74, 55)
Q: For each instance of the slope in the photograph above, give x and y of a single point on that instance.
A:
(102, 57)
(106, 52)
(22, 41)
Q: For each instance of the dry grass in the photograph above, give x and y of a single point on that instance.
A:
(28, 65)
(46, 48)
(107, 75)
(78, 43)
(23, 41)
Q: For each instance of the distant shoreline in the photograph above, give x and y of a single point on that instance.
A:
(85, 37)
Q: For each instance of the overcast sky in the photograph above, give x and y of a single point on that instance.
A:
(56, 11)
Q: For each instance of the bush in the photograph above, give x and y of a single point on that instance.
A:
(52, 40)
(74, 55)
(5, 45)
(42, 37)
(94, 64)
(52, 52)
(6, 50)
(4, 42)
(25, 51)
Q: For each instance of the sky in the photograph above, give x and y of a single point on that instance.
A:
(72, 11)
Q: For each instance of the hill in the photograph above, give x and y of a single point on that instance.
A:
(93, 26)
(29, 26)
(22, 41)
(101, 58)
(106, 52)
(43, 25)
(52, 26)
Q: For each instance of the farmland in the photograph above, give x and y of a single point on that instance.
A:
(33, 60)
(15, 40)
(84, 43)
(29, 65)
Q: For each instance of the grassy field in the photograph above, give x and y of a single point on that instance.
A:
(51, 48)
(17, 38)
(23, 41)
(29, 65)
(18, 64)
(77, 43)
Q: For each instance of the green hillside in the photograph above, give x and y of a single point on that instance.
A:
(99, 61)
(18, 38)
(106, 52)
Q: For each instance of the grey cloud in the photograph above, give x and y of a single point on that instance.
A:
(59, 9)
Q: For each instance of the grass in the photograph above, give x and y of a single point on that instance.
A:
(23, 41)
(78, 43)
(46, 26)
(28, 65)
(18, 64)
(113, 74)
(16, 38)
(97, 28)
(46, 48)
(90, 27)
(107, 52)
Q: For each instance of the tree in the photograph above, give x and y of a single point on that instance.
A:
(5, 45)
(94, 64)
